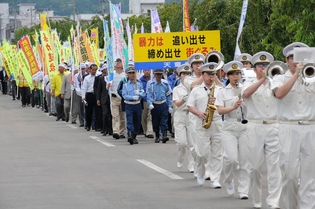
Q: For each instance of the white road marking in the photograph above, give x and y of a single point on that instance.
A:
(72, 126)
(158, 169)
(102, 142)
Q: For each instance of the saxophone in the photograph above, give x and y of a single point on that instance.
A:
(209, 110)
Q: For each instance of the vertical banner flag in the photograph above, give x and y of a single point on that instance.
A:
(27, 49)
(85, 49)
(24, 67)
(167, 28)
(156, 26)
(240, 28)
(43, 24)
(10, 58)
(94, 37)
(186, 21)
(109, 51)
(120, 49)
(48, 52)
(130, 42)
(142, 28)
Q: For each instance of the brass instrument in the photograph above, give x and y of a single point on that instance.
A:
(244, 121)
(308, 73)
(215, 56)
(275, 68)
(209, 110)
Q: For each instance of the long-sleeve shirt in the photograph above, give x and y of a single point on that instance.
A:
(158, 92)
(88, 84)
(129, 88)
(56, 83)
(144, 84)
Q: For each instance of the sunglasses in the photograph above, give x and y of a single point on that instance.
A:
(131, 72)
(209, 73)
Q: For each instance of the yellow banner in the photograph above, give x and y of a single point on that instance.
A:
(43, 24)
(50, 60)
(164, 47)
(56, 41)
(95, 54)
(94, 37)
(24, 66)
(85, 50)
(10, 58)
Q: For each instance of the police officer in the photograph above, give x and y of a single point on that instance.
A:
(159, 101)
(181, 120)
(207, 141)
(263, 141)
(133, 92)
(234, 138)
(296, 115)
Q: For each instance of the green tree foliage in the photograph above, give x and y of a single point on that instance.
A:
(270, 24)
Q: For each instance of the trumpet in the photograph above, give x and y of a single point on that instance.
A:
(308, 73)
(244, 121)
(276, 68)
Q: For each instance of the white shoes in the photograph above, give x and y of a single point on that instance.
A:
(200, 179)
(230, 188)
(242, 196)
(215, 185)
(179, 165)
(257, 205)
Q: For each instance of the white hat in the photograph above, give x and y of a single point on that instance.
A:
(262, 57)
(131, 63)
(232, 66)
(185, 68)
(289, 50)
(104, 66)
(197, 57)
(62, 64)
(244, 57)
(82, 66)
(210, 67)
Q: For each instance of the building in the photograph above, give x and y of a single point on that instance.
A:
(4, 19)
(143, 6)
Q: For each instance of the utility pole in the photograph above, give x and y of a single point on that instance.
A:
(103, 8)
(73, 8)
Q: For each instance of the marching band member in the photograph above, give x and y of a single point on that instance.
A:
(159, 101)
(206, 139)
(234, 138)
(296, 115)
(133, 92)
(181, 120)
(245, 59)
(263, 141)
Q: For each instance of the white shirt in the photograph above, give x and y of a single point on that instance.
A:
(198, 98)
(226, 98)
(114, 85)
(178, 93)
(299, 103)
(188, 81)
(46, 87)
(88, 84)
(261, 105)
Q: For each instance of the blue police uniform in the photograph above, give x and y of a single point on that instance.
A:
(132, 92)
(159, 101)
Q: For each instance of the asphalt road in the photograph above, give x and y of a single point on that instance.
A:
(46, 164)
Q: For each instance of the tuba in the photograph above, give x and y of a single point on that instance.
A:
(209, 110)
(215, 56)
(276, 68)
(308, 73)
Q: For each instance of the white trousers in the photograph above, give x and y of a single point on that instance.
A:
(297, 159)
(263, 143)
(235, 153)
(182, 137)
(208, 142)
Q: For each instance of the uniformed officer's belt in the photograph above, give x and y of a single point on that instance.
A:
(90, 92)
(300, 122)
(264, 121)
(159, 102)
(132, 101)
